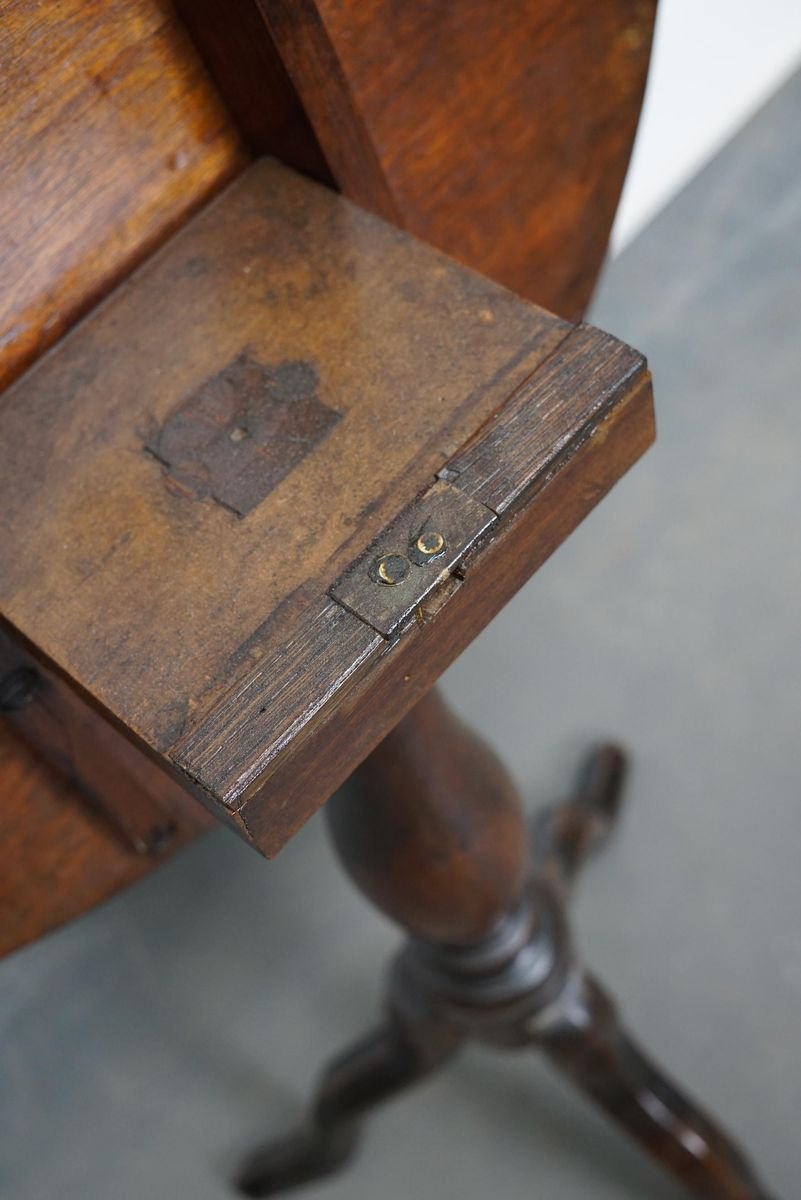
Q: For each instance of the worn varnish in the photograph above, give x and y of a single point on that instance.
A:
(111, 133)
(432, 831)
(210, 636)
(500, 133)
(410, 351)
(587, 375)
(436, 839)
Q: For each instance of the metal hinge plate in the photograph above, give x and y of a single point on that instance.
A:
(414, 555)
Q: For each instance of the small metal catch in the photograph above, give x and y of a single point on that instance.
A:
(436, 531)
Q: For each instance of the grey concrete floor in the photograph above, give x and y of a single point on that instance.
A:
(145, 1047)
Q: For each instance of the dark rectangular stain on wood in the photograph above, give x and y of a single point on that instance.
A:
(242, 431)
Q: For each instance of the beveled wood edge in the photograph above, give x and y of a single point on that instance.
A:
(501, 463)
(250, 780)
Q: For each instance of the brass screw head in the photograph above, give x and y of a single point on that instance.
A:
(430, 543)
(390, 569)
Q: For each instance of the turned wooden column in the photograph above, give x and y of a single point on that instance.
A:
(432, 832)
(431, 829)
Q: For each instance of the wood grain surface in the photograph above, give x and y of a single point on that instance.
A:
(401, 672)
(540, 423)
(500, 133)
(432, 830)
(411, 352)
(242, 59)
(208, 635)
(60, 858)
(110, 134)
(148, 809)
(130, 137)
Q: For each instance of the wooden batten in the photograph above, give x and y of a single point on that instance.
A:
(499, 133)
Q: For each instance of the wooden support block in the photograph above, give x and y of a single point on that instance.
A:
(60, 856)
(499, 133)
(205, 472)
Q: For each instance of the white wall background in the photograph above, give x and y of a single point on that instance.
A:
(714, 63)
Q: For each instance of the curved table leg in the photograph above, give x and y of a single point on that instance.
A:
(566, 834)
(431, 829)
(375, 1069)
(584, 1039)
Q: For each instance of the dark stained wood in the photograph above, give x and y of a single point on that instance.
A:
(111, 135)
(499, 133)
(149, 63)
(431, 829)
(63, 861)
(325, 89)
(313, 657)
(241, 58)
(228, 750)
(540, 424)
(195, 600)
(243, 430)
(219, 650)
(112, 142)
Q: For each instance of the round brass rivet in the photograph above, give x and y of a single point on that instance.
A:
(390, 568)
(430, 543)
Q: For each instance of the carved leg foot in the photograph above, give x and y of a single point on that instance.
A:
(432, 831)
(584, 1039)
(375, 1069)
(564, 835)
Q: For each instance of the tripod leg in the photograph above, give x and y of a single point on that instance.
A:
(586, 1041)
(431, 830)
(384, 1063)
(564, 835)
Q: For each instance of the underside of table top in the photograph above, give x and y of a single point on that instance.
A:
(206, 472)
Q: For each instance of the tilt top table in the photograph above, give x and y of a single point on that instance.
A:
(291, 467)
(291, 461)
